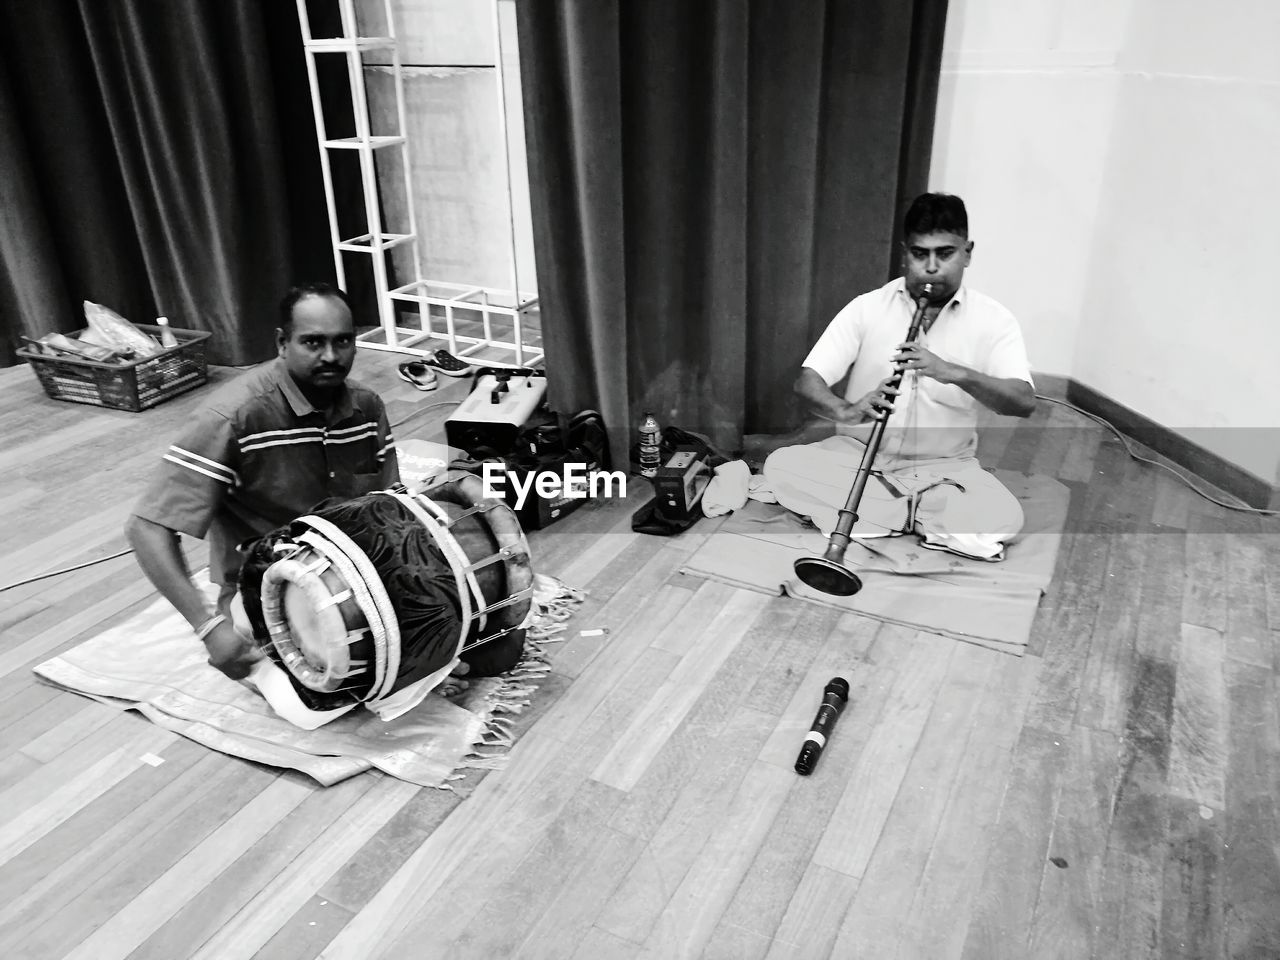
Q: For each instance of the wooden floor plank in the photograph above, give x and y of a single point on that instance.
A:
(694, 744)
(15, 768)
(75, 791)
(731, 942)
(1132, 892)
(1205, 595)
(597, 944)
(185, 880)
(686, 924)
(387, 850)
(626, 644)
(262, 917)
(1056, 440)
(1198, 742)
(1077, 463)
(636, 747)
(316, 923)
(1172, 503)
(1064, 925)
(21, 700)
(872, 927)
(72, 629)
(224, 896)
(874, 780)
(938, 919)
(814, 914)
(1159, 629)
(452, 869)
(1251, 881)
(1000, 925)
(1247, 636)
(775, 687)
(1191, 922)
(1024, 442)
(568, 919)
(701, 804)
(516, 901)
(117, 736)
(1069, 635)
(90, 837)
(1108, 670)
(23, 454)
(993, 437)
(1272, 573)
(103, 890)
(75, 719)
(614, 610)
(762, 899)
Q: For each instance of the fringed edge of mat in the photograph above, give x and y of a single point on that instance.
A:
(554, 603)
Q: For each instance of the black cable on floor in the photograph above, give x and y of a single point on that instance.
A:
(58, 573)
(1242, 507)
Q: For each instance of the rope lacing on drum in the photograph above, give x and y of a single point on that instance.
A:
(468, 589)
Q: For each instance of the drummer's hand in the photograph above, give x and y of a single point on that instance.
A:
(913, 356)
(230, 652)
(870, 406)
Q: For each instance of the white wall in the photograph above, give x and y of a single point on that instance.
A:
(1180, 317)
(1116, 158)
(1025, 108)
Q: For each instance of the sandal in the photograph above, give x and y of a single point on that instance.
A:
(419, 374)
(442, 361)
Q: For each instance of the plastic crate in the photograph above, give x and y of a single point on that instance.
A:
(132, 385)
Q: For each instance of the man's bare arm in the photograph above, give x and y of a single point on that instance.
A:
(1008, 396)
(159, 553)
(820, 399)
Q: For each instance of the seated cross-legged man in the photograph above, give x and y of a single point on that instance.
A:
(926, 478)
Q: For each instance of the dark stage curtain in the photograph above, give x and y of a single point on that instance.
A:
(157, 157)
(711, 181)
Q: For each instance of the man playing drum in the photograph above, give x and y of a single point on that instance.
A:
(926, 477)
(268, 446)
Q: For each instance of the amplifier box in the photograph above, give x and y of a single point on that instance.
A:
(538, 512)
(681, 481)
(498, 406)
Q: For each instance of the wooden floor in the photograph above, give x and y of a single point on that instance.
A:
(1110, 795)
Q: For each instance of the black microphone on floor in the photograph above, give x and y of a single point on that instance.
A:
(834, 697)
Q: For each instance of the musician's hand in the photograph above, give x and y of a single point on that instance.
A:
(913, 356)
(230, 652)
(870, 406)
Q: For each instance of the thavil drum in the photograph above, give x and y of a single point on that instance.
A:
(363, 598)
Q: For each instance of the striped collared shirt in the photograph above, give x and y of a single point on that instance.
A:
(259, 455)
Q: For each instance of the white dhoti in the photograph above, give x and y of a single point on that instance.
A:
(951, 504)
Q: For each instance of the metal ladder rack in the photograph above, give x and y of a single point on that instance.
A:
(458, 302)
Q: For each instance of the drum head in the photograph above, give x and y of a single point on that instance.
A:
(320, 637)
(315, 625)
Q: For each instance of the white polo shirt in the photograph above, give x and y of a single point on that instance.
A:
(930, 420)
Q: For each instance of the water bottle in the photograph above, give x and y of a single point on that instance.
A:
(650, 446)
(167, 339)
